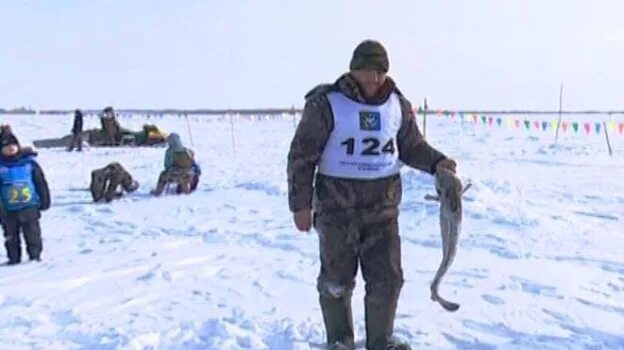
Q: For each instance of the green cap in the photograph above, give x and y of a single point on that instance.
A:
(371, 55)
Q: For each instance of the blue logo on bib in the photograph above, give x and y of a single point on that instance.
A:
(370, 121)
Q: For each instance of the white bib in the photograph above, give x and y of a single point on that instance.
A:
(363, 143)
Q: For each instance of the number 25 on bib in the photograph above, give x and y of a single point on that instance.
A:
(19, 194)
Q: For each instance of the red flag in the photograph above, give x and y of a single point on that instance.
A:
(517, 122)
(536, 124)
(587, 127)
(621, 126)
(564, 126)
(490, 120)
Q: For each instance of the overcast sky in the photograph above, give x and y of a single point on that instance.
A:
(266, 53)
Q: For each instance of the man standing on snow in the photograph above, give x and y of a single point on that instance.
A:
(355, 134)
(76, 140)
(110, 127)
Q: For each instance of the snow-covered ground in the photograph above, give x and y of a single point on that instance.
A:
(540, 266)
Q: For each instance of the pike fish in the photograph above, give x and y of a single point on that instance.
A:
(450, 190)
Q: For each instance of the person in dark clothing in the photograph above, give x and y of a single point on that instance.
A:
(106, 180)
(24, 194)
(344, 181)
(76, 141)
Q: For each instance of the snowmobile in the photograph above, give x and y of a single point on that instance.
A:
(149, 136)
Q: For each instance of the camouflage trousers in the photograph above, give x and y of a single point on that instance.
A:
(183, 178)
(76, 142)
(105, 181)
(348, 239)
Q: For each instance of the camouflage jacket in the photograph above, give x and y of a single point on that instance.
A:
(106, 180)
(306, 187)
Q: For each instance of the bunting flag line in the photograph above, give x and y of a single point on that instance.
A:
(543, 125)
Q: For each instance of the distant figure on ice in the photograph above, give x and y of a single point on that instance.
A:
(23, 193)
(76, 140)
(180, 168)
(106, 181)
(110, 127)
(344, 166)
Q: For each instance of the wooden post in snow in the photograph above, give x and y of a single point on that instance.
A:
(604, 126)
(425, 107)
(232, 132)
(188, 126)
(560, 107)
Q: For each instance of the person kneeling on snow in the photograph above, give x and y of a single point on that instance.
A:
(105, 182)
(180, 168)
(24, 193)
